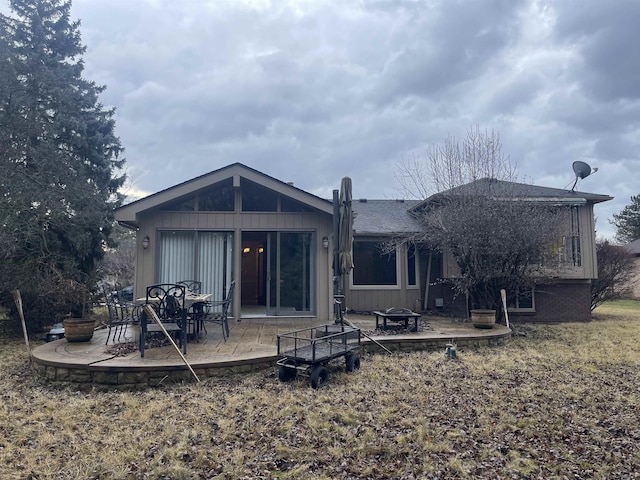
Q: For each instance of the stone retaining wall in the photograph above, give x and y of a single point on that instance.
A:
(94, 378)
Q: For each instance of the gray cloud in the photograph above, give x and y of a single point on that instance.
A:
(311, 91)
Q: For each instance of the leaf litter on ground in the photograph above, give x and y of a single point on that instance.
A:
(561, 401)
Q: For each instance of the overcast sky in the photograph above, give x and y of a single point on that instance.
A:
(311, 91)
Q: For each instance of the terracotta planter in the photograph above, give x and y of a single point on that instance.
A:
(483, 318)
(78, 329)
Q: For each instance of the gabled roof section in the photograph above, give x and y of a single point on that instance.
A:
(520, 191)
(384, 217)
(129, 213)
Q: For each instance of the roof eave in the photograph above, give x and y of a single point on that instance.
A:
(128, 214)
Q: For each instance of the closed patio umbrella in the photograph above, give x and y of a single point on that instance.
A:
(345, 240)
(346, 227)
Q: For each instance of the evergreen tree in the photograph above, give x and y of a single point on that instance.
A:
(627, 222)
(59, 156)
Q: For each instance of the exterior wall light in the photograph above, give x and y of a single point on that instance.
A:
(325, 242)
(145, 242)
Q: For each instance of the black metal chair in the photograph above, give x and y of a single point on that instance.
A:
(121, 315)
(193, 286)
(168, 301)
(214, 312)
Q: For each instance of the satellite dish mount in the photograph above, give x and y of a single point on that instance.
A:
(582, 170)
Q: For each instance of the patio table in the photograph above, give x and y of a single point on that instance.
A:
(189, 299)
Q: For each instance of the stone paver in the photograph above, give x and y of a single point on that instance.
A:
(251, 341)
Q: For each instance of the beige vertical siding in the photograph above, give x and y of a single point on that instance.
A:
(319, 223)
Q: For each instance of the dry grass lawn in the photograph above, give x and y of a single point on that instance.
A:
(561, 401)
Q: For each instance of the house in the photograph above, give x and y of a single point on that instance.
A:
(276, 241)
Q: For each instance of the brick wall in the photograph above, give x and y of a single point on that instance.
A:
(563, 302)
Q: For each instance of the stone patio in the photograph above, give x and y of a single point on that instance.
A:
(252, 344)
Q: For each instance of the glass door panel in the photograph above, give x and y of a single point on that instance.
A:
(290, 273)
(294, 273)
(272, 274)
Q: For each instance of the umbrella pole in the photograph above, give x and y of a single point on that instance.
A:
(336, 256)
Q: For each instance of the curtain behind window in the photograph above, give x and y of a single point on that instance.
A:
(214, 262)
(177, 253)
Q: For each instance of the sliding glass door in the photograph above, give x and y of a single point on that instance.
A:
(203, 256)
(278, 272)
(289, 273)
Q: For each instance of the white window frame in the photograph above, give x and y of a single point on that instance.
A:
(531, 309)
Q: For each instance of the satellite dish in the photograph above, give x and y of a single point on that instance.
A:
(582, 170)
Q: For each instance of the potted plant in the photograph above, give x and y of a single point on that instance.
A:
(482, 298)
(79, 325)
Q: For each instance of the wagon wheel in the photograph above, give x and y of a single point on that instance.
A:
(287, 371)
(319, 376)
(352, 361)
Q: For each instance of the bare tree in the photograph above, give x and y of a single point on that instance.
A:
(496, 230)
(615, 273)
(453, 164)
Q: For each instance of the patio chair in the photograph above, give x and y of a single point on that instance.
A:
(214, 312)
(193, 286)
(121, 315)
(168, 301)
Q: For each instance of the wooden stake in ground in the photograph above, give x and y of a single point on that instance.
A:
(152, 313)
(18, 299)
(503, 294)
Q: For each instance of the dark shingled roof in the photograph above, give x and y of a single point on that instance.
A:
(523, 191)
(388, 217)
(384, 217)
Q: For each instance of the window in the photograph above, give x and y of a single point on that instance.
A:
(522, 300)
(219, 198)
(256, 198)
(203, 256)
(374, 266)
(565, 251)
(289, 205)
(412, 259)
(182, 205)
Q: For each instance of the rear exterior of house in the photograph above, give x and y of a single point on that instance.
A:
(237, 224)
(277, 243)
(412, 276)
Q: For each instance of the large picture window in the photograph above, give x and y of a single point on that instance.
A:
(203, 256)
(373, 266)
